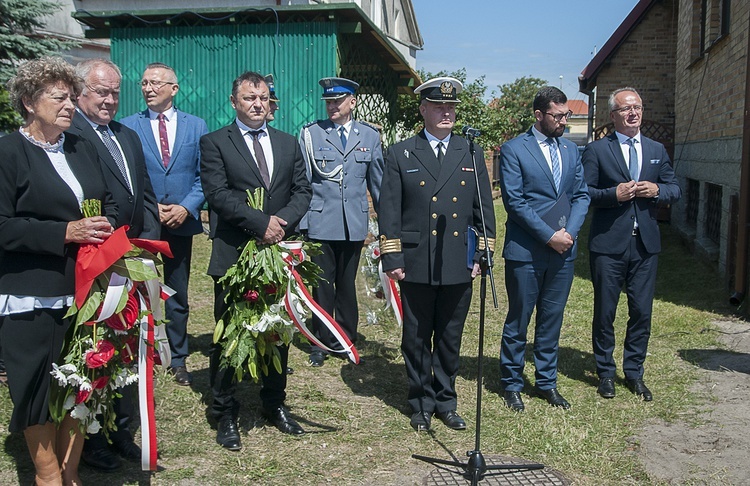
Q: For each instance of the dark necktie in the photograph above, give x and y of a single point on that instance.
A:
(260, 157)
(342, 135)
(440, 155)
(633, 159)
(556, 171)
(163, 139)
(114, 150)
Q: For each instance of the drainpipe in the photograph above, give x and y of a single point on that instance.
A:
(740, 268)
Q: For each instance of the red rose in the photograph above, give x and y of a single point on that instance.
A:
(126, 319)
(129, 350)
(100, 382)
(270, 289)
(252, 296)
(101, 355)
(82, 396)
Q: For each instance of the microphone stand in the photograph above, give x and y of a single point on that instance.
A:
(475, 469)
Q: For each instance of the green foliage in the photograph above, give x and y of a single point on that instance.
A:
(496, 122)
(515, 104)
(19, 19)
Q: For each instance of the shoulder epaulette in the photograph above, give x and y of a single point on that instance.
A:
(312, 123)
(371, 125)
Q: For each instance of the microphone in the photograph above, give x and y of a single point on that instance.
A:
(470, 132)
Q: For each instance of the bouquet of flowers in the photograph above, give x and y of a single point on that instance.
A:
(116, 287)
(377, 282)
(371, 267)
(266, 301)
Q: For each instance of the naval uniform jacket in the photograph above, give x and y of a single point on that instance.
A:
(426, 209)
(340, 177)
(36, 206)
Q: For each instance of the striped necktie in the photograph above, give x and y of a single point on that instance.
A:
(556, 170)
(114, 150)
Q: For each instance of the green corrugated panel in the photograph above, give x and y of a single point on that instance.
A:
(208, 59)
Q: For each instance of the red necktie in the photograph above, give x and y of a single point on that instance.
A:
(163, 139)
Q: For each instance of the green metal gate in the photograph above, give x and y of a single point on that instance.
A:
(208, 58)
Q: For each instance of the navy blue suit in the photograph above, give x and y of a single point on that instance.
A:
(618, 254)
(177, 183)
(536, 276)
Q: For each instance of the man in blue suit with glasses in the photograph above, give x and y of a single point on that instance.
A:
(171, 146)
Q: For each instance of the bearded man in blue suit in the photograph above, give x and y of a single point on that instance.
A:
(546, 199)
(628, 176)
(171, 146)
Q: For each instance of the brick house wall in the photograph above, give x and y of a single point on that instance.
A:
(709, 101)
(644, 61)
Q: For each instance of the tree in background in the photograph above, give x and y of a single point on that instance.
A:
(19, 19)
(515, 104)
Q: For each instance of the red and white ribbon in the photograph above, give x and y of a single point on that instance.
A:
(298, 297)
(153, 338)
(391, 294)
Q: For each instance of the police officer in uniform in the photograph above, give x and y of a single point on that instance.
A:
(344, 159)
(273, 100)
(428, 202)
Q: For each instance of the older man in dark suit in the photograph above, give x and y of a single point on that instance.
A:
(124, 169)
(249, 154)
(629, 176)
(428, 201)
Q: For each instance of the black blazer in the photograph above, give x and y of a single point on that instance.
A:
(228, 170)
(35, 208)
(612, 222)
(429, 208)
(138, 210)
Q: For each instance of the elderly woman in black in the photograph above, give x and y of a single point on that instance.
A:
(45, 176)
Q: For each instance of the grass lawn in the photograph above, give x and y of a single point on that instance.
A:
(357, 417)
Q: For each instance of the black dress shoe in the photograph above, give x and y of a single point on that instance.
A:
(289, 370)
(553, 397)
(128, 450)
(316, 359)
(182, 376)
(228, 435)
(606, 387)
(640, 389)
(280, 417)
(452, 420)
(420, 421)
(101, 458)
(513, 400)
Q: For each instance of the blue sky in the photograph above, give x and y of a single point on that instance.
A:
(507, 39)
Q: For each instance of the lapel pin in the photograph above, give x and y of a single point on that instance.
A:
(406, 153)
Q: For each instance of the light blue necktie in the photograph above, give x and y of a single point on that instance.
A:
(556, 171)
(633, 159)
(342, 135)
